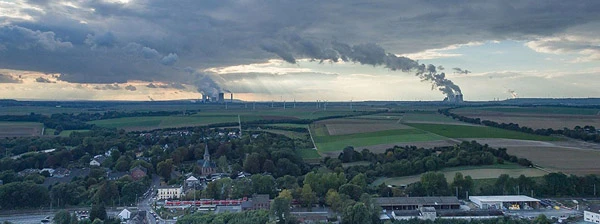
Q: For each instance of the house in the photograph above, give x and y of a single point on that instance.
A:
(169, 192)
(124, 215)
(97, 160)
(27, 172)
(592, 214)
(206, 165)
(49, 170)
(192, 182)
(61, 172)
(138, 172)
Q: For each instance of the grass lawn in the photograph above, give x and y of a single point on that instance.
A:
(67, 133)
(476, 172)
(462, 131)
(327, 143)
(308, 153)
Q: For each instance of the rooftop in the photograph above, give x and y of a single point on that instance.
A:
(503, 198)
(394, 201)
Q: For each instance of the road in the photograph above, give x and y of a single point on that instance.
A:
(146, 201)
(34, 217)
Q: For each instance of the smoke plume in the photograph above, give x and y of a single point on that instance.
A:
(366, 54)
(513, 94)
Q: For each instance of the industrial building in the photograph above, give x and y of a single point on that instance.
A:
(414, 203)
(515, 202)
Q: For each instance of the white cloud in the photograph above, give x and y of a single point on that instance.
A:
(439, 52)
(586, 49)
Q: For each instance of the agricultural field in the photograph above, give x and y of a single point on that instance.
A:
(536, 117)
(330, 143)
(308, 154)
(463, 131)
(476, 172)
(559, 159)
(20, 129)
(289, 134)
(353, 126)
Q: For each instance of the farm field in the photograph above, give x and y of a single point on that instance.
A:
(463, 131)
(536, 117)
(328, 143)
(476, 172)
(67, 133)
(20, 129)
(531, 110)
(430, 118)
(289, 134)
(566, 160)
(206, 118)
(353, 126)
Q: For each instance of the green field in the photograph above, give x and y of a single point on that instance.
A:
(308, 154)
(289, 134)
(463, 131)
(533, 110)
(214, 117)
(327, 143)
(67, 133)
(427, 117)
(288, 125)
(476, 172)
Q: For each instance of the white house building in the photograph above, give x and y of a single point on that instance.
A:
(592, 214)
(125, 214)
(169, 192)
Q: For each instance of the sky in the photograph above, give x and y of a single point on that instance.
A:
(299, 50)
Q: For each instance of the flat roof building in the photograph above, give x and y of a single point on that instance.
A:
(515, 202)
(592, 214)
(414, 203)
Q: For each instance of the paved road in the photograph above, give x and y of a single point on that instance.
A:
(34, 217)
(145, 203)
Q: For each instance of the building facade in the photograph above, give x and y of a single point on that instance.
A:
(170, 192)
(592, 214)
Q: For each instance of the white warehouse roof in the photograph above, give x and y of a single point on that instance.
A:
(503, 198)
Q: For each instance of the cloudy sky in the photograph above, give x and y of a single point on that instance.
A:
(303, 50)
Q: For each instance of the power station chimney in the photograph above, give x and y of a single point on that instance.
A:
(221, 98)
(231, 100)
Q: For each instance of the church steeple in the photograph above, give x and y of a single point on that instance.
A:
(206, 154)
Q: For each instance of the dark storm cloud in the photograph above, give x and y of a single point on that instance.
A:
(159, 40)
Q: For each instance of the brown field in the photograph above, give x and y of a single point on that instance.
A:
(536, 121)
(566, 160)
(354, 126)
(20, 129)
(571, 156)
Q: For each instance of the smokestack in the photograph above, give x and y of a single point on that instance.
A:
(205, 98)
(231, 100)
(221, 97)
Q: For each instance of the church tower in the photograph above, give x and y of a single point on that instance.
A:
(206, 154)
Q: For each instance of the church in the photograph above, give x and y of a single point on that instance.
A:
(207, 167)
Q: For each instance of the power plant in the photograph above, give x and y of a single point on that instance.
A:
(219, 98)
(454, 98)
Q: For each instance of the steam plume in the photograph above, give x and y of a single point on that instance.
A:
(513, 94)
(369, 54)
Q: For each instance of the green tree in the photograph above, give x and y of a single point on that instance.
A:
(62, 217)
(334, 200)
(308, 196)
(263, 184)
(434, 184)
(98, 212)
(357, 214)
(280, 208)
(360, 180)
(252, 163)
(164, 169)
(352, 190)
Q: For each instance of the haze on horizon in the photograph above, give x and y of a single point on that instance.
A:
(302, 50)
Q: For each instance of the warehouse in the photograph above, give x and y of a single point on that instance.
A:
(513, 202)
(414, 203)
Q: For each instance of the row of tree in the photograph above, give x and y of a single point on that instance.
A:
(586, 133)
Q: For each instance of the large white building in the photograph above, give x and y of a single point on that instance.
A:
(505, 202)
(169, 192)
(592, 214)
